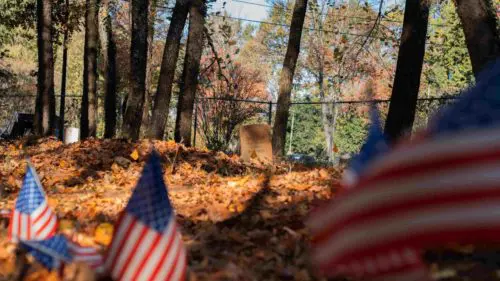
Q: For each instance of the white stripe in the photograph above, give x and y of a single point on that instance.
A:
(170, 260)
(445, 217)
(160, 248)
(15, 225)
(142, 251)
(470, 142)
(39, 209)
(127, 249)
(181, 266)
(24, 227)
(117, 238)
(451, 181)
(46, 231)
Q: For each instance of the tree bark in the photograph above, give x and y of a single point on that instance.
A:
(138, 62)
(408, 69)
(167, 71)
(88, 120)
(108, 47)
(481, 34)
(45, 108)
(149, 69)
(189, 83)
(286, 79)
(62, 105)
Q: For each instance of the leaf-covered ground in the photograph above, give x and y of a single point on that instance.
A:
(238, 221)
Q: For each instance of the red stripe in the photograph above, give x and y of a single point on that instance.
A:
(29, 227)
(431, 164)
(11, 222)
(45, 225)
(150, 251)
(176, 260)
(465, 233)
(41, 214)
(19, 226)
(472, 194)
(118, 223)
(160, 262)
(132, 253)
(122, 242)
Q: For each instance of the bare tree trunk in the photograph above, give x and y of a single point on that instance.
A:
(62, 105)
(108, 47)
(88, 120)
(286, 79)
(480, 28)
(197, 12)
(149, 69)
(408, 70)
(167, 71)
(45, 109)
(328, 119)
(138, 62)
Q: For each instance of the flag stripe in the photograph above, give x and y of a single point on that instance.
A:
(147, 258)
(127, 243)
(446, 145)
(136, 254)
(37, 215)
(160, 249)
(358, 236)
(414, 204)
(447, 181)
(119, 238)
(165, 260)
(169, 263)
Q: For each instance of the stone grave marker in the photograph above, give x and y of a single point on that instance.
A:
(255, 143)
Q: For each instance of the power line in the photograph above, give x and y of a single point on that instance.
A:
(352, 17)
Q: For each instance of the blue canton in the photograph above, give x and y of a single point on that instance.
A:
(50, 252)
(376, 143)
(31, 194)
(478, 107)
(149, 202)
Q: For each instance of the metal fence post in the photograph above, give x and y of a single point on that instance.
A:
(270, 114)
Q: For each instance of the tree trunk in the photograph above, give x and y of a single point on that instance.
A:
(62, 105)
(149, 69)
(108, 47)
(286, 79)
(189, 83)
(167, 71)
(88, 120)
(408, 70)
(138, 62)
(481, 34)
(45, 109)
(328, 119)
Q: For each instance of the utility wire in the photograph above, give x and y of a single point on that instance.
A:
(352, 17)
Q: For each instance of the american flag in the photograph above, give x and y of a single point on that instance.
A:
(443, 188)
(85, 254)
(51, 253)
(376, 144)
(32, 218)
(146, 244)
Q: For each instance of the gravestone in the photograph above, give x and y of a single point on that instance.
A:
(255, 143)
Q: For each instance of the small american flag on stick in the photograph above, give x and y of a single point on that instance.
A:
(32, 218)
(51, 253)
(443, 187)
(146, 244)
